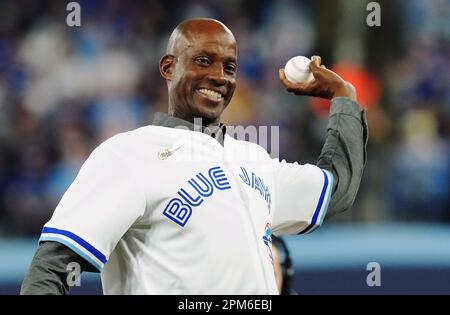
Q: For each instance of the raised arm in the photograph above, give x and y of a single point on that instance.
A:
(344, 151)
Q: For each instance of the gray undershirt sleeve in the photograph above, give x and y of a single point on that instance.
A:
(47, 274)
(344, 152)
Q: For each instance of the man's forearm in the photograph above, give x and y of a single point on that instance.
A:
(344, 152)
(48, 270)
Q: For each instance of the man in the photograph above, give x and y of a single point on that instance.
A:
(186, 210)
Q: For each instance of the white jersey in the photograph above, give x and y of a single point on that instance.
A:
(161, 210)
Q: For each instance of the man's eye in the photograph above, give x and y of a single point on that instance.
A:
(203, 61)
(230, 69)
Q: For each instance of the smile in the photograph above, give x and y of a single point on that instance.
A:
(213, 95)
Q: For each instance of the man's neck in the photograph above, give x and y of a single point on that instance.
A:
(195, 120)
(216, 129)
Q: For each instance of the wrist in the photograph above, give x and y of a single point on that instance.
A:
(345, 90)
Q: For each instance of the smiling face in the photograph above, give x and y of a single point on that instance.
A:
(200, 69)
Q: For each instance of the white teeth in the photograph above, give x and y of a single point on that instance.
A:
(211, 93)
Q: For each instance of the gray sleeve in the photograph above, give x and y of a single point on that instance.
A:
(48, 272)
(344, 152)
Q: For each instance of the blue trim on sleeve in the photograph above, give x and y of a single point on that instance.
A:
(328, 198)
(79, 240)
(319, 206)
(330, 190)
(72, 247)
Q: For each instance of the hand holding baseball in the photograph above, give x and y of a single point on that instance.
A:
(326, 83)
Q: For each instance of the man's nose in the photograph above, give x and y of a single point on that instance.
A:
(217, 74)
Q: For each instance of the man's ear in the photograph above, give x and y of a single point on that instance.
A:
(166, 66)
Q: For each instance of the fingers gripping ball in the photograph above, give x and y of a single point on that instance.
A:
(297, 70)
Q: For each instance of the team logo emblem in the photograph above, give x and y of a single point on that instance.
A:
(267, 238)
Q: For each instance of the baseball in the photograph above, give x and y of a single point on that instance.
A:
(297, 70)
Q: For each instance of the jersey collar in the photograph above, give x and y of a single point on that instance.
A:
(216, 131)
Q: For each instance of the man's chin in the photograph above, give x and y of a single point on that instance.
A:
(208, 115)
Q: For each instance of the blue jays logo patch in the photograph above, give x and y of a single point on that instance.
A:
(267, 238)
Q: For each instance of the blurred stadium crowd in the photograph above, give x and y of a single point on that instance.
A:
(63, 90)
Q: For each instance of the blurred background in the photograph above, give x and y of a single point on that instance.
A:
(64, 90)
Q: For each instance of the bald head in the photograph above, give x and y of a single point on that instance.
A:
(184, 34)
